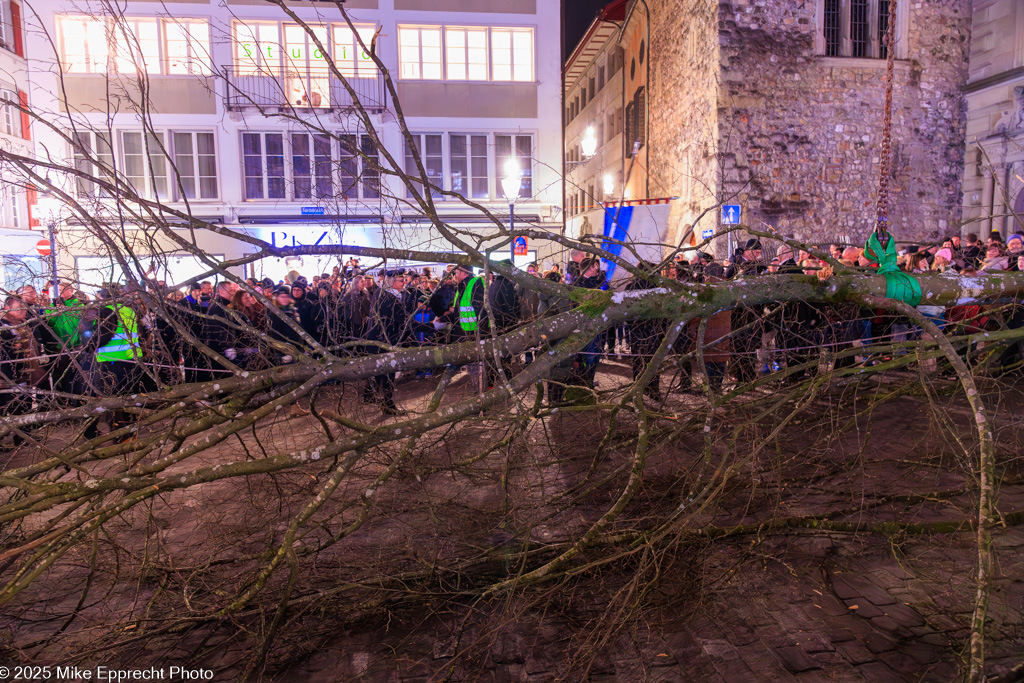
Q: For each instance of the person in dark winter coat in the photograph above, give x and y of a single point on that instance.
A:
(644, 337)
(388, 324)
(746, 320)
(280, 330)
(219, 330)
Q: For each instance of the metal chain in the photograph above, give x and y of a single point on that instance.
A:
(885, 167)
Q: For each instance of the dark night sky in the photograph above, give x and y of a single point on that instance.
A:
(578, 15)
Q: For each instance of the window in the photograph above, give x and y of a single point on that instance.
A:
(306, 66)
(853, 28)
(468, 165)
(195, 161)
(12, 114)
(263, 162)
(12, 198)
(600, 78)
(630, 131)
(419, 52)
(257, 49)
(466, 54)
(319, 166)
(144, 163)
(519, 147)
(512, 54)
(83, 44)
(350, 58)
(592, 87)
(188, 46)
(311, 166)
(430, 151)
(137, 45)
(359, 172)
(88, 148)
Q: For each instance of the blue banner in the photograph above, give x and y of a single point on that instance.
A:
(616, 226)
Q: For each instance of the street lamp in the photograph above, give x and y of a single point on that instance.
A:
(588, 145)
(50, 208)
(511, 181)
(609, 184)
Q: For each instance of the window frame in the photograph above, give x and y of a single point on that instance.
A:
(90, 59)
(402, 64)
(361, 67)
(125, 37)
(493, 163)
(197, 50)
(84, 163)
(367, 180)
(875, 48)
(150, 191)
(11, 122)
(405, 67)
(467, 64)
(265, 165)
(197, 177)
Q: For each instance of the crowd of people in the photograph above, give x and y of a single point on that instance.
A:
(126, 341)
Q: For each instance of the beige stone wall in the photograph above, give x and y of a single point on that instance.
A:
(798, 135)
(683, 116)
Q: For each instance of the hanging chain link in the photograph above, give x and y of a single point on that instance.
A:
(885, 167)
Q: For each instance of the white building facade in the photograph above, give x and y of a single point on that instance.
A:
(20, 262)
(247, 126)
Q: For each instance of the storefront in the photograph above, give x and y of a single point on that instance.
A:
(175, 269)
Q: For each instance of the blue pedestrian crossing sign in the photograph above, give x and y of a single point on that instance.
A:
(731, 214)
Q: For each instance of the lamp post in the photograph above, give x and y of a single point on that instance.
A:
(511, 181)
(50, 208)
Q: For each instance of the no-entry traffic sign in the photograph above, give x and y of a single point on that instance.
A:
(43, 247)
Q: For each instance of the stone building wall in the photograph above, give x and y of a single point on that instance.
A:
(683, 110)
(798, 135)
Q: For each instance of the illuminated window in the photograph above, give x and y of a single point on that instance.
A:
(195, 162)
(257, 49)
(306, 68)
(144, 163)
(188, 46)
(94, 157)
(466, 54)
(137, 45)
(419, 52)
(83, 44)
(350, 58)
(263, 160)
(511, 54)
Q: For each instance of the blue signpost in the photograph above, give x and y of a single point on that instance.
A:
(731, 214)
(707, 233)
(312, 211)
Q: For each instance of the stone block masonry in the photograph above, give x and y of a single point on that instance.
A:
(745, 109)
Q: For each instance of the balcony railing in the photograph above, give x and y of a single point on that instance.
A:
(315, 88)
